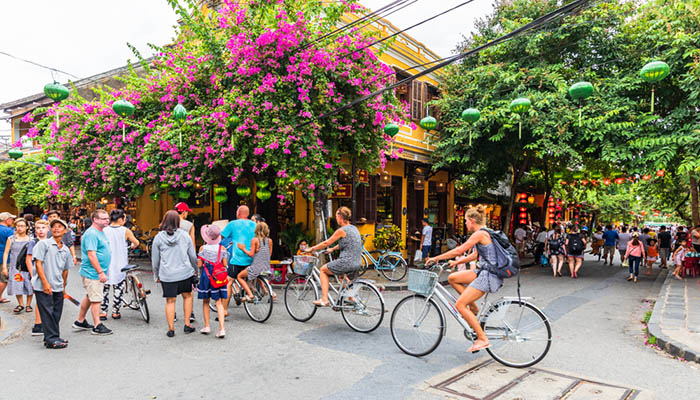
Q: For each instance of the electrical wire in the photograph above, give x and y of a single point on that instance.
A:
(547, 18)
(38, 65)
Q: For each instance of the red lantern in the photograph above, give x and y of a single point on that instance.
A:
(656, 214)
(551, 215)
(523, 196)
(573, 183)
(531, 199)
(620, 180)
(522, 209)
(523, 221)
(646, 177)
(643, 213)
(660, 172)
(606, 182)
(632, 212)
(523, 215)
(584, 182)
(563, 183)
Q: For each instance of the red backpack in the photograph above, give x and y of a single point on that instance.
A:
(219, 276)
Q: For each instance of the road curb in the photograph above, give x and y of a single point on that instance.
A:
(9, 326)
(668, 345)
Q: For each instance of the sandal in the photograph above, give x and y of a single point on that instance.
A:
(319, 303)
(476, 348)
(103, 316)
(28, 309)
(116, 315)
(18, 309)
(4, 300)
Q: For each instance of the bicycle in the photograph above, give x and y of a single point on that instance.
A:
(359, 302)
(260, 308)
(135, 293)
(390, 264)
(511, 323)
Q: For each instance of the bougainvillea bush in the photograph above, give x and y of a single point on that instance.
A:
(256, 79)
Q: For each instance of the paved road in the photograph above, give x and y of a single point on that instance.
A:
(597, 335)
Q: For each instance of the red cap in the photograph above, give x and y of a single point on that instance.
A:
(182, 207)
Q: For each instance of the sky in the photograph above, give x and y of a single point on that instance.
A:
(87, 37)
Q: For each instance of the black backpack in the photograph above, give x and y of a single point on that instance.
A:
(21, 262)
(575, 244)
(508, 260)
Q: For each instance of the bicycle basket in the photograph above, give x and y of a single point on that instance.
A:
(421, 281)
(303, 265)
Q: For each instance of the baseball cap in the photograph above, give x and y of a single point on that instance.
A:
(182, 207)
(58, 221)
(5, 215)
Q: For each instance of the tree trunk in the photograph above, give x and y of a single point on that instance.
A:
(547, 195)
(517, 173)
(318, 219)
(694, 200)
(679, 207)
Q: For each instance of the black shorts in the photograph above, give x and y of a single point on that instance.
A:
(696, 247)
(172, 289)
(234, 270)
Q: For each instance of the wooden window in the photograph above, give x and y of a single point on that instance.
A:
(419, 95)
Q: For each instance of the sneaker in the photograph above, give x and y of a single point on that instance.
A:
(83, 326)
(36, 330)
(170, 333)
(237, 299)
(205, 331)
(101, 329)
(192, 318)
(188, 329)
(221, 334)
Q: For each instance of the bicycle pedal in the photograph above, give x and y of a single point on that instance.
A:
(475, 351)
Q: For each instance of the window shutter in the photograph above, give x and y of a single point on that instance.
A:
(416, 100)
(424, 100)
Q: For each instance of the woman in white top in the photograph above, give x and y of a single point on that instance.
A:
(117, 235)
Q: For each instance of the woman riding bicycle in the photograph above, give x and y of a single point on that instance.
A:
(480, 280)
(350, 259)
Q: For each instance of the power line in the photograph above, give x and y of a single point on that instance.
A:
(552, 16)
(38, 65)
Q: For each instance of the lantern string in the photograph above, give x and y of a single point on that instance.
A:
(652, 99)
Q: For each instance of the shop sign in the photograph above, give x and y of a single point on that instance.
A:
(343, 191)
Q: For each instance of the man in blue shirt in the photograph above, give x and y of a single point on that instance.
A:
(95, 258)
(6, 221)
(611, 237)
(240, 230)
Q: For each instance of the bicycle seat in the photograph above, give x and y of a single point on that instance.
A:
(129, 267)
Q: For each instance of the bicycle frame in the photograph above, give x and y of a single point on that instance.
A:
(377, 262)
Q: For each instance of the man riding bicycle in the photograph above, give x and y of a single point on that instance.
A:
(479, 280)
(350, 259)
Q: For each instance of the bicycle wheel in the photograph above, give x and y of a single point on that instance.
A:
(260, 308)
(132, 299)
(298, 296)
(519, 333)
(393, 267)
(140, 301)
(417, 325)
(364, 266)
(362, 307)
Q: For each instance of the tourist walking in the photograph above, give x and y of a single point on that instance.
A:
(42, 231)
(539, 249)
(555, 249)
(679, 238)
(6, 221)
(575, 247)
(241, 230)
(53, 259)
(664, 238)
(349, 260)
(652, 254)
(174, 266)
(260, 250)
(597, 243)
(610, 238)
(94, 265)
(679, 257)
(210, 254)
(634, 254)
(14, 260)
(118, 236)
(623, 238)
(67, 237)
(519, 235)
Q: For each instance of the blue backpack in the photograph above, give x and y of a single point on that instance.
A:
(507, 257)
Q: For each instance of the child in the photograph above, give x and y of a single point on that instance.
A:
(302, 247)
(678, 257)
(209, 254)
(652, 254)
(260, 250)
(53, 259)
(41, 230)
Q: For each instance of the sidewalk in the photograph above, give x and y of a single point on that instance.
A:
(675, 320)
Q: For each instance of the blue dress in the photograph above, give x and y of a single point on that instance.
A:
(486, 281)
(204, 288)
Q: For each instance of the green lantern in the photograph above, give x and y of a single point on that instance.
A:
(154, 196)
(123, 108)
(520, 106)
(243, 191)
(578, 175)
(56, 92)
(391, 129)
(15, 153)
(164, 185)
(180, 116)
(470, 115)
(536, 172)
(580, 91)
(558, 175)
(652, 73)
(233, 122)
(596, 175)
(428, 123)
(263, 184)
(53, 161)
(219, 190)
(263, 194)
(220, 197)
(183, 194)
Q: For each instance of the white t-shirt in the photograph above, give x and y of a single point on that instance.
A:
(542, 237)
(427, 235)
(519, 234)
(623, 240)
